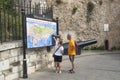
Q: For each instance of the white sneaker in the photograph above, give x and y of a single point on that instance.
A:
(60, 71)
(56, 71)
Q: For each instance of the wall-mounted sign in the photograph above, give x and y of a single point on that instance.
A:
(40, 32)
(106, 27)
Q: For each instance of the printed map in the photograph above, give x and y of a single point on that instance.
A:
(39, 33)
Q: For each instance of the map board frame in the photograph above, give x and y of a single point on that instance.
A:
(51, 23)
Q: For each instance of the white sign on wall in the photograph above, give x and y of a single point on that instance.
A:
(106, 27)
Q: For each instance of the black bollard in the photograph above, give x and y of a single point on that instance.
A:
(106, 44)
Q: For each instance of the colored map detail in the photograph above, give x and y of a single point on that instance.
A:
(39, 33)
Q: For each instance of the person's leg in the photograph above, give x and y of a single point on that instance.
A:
(59, 67)
(72, 63)
(56, 66)
(59, 63)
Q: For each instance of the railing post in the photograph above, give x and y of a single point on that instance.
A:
(0, 25)
(51, 11)
(19, 7)
(57, 26)
(15, 23)
(25, 75)
(4, 7)
(30, 5)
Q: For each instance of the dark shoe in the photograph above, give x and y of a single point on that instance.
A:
(72, 71)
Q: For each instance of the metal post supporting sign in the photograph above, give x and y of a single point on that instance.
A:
(57, 26)
(24, 44)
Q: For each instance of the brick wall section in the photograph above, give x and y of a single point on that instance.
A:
(11, 60)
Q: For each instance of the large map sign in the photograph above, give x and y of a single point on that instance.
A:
(39, 32)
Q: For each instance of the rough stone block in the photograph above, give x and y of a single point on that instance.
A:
(33, 58)
(10, 45)
(20, 58)
(31, 69)
(30, 52)
(12, 76)
(6, 46)
(5, 64)
(50, 58)
(21, 74)
(38, 67)
(15, 63)
(16, 59)
(21, 62)
(2, 77)
(14, 52)
(50, 65)
(39, 62)
(18, 43)
(0, 55)
(0, 73)
(29, 64)
(13, 59)
(44, 56)
(39, 58)
(0, 65)
(16, 69)
(5, 54)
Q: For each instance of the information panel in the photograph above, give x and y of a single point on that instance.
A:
(40, 32)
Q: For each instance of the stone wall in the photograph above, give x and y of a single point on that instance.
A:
(11, 60)
(89, 19)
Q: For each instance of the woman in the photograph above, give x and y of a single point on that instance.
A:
(58, 56)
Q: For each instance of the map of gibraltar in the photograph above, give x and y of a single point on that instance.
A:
(39, 33)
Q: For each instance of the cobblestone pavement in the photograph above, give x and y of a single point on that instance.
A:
(90, 65)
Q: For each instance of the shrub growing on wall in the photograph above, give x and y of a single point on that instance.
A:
(90, 8)
(74, 10)
(10, 21)
(58, 1)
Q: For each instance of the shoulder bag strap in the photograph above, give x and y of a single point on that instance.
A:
(57, 49)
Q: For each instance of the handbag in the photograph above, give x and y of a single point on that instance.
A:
(56, 51)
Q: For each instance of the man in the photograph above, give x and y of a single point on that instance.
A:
(71, 52)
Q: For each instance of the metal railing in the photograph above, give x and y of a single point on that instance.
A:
(11, 18)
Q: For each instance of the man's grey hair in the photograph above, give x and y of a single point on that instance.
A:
(68, 35)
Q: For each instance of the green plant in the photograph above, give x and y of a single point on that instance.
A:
(101, 47)
(58, 1)
(90, 8)
(100, 2)
(94, 48)
(111, 0)
(11, 21)
(115, 48)
(86, 48)
(74, 10)
(11, 26)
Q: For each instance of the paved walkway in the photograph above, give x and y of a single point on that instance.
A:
(90, 65)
